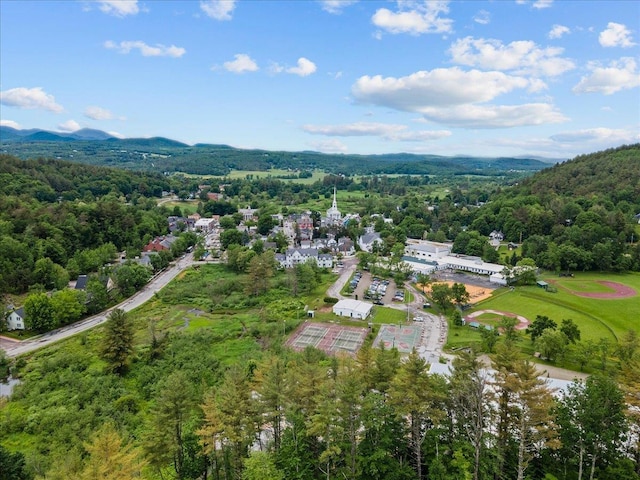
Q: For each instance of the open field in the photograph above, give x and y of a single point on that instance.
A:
(273, 173)
(596, 317)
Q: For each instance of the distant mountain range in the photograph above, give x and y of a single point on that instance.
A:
(165, 155)
(9, 134)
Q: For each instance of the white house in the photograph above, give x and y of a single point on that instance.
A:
(15, 320)
(295, 256)
(352, 309)
(368, 240)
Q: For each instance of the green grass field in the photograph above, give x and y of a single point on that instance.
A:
(596, 318)
(273, 173)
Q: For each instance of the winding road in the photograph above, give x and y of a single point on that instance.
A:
(13, 349)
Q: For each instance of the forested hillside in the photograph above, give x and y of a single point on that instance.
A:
(165, 155)
(60, 219)
(574, 215)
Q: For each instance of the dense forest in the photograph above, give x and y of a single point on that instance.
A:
(60, 219)
(578, 215)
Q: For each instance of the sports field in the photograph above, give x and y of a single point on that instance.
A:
(327, 337)
(476, 294)
(602, 305)
(405, 338)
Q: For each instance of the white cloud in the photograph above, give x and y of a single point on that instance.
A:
(495, 116)
(616, 35)
(328, 146)
(619, 75)
(540, 4)
(617, 136)
(415, 18)
(69, 126)
(10, 123)
(336, 6)
(97, 113)
(451, 96)
(441, 87)
(116, 134)
(558, 31)
(242, 63)
(523, 57)
(482, 17)
(537, 4)
(30, 98)
(119, 8)
(382, 130)
(218, 9)
(157, 50)
(304, 67)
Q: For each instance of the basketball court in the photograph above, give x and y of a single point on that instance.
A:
(405, 338)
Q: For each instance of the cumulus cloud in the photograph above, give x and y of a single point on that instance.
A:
(116, 134)
(482, 17)
(597, 135)
(415, 18)
(452, 96)
(523, 57)
(616, 35)
(305, 67)
(242, 63)
(441, 87)
(119, 8)
(335, 7)
(619, 75)
(328, 146)
(30, 98)
(10, 123)
(382, 130)
(97, 113)
(558, 31)
(69, 126)
(218, 9)
(495, 116)
(157, 50)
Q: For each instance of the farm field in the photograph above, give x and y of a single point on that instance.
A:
(596, 317)
(273, 173)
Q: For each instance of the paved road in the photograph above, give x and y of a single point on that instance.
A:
(13, 349)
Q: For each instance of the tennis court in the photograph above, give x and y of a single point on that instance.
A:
(405, 338)
(328, 338)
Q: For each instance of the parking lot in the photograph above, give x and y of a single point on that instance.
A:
(376, 290)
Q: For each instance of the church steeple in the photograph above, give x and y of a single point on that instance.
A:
(333, 214)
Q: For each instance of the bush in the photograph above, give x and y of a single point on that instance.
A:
(330, 300)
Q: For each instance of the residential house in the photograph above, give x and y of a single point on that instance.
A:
(16, 320)
(81, 283)
(295, 256)
(160, 244)
(368, 240)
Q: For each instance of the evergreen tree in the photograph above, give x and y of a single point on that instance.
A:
(117, 347)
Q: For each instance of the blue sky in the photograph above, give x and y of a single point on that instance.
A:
(496, 78)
